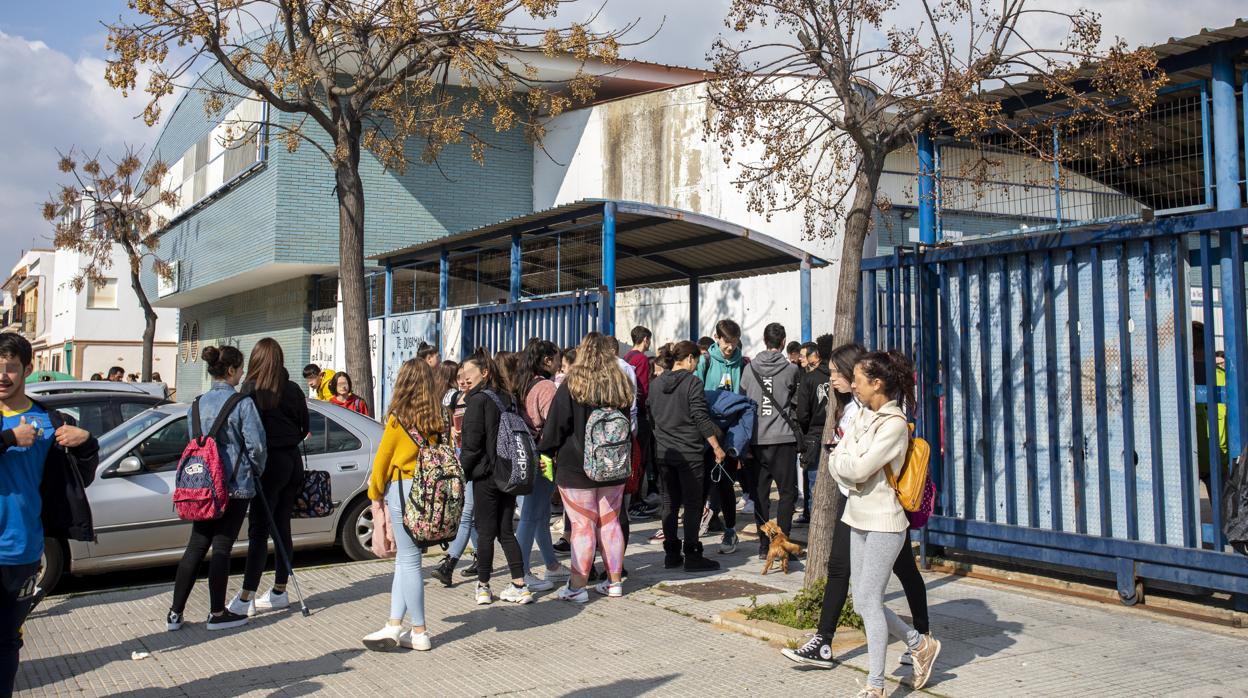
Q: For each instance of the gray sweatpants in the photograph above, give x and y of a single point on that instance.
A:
(871, 558)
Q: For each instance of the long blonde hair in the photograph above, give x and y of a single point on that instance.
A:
(596, 379)
(416, 403)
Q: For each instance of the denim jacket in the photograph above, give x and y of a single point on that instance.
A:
(242, 439)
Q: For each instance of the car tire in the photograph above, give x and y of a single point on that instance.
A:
(357, 530)
(51, 565)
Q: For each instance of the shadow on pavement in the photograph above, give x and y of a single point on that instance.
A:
(623, 687)
(282, 673)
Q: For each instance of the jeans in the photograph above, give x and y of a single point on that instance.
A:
(778, 463)
(281, 482)
(407, 591)
(871, 558)
(219, 534)
(682, 486)
(809, 491)
(494, 515)
(17, 594)
(837, 587)
(595, 520)
(466, 529)
(535, 523)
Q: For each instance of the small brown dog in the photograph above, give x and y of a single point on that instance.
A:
(781, 547)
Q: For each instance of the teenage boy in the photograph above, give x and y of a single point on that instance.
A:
(46, 463)
(637, 358)
(319, 382)
(771, 381)
(116, 374)
(797, 355)
(812, 412)
(720, 367)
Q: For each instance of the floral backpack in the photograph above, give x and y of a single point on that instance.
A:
(608, 445)
(431, 510)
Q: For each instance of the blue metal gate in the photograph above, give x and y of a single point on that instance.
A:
(563, 320)
(1057, 375)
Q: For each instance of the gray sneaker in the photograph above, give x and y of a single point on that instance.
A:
(728, 545)
(924, 660)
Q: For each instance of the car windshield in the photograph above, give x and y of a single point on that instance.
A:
(115, 439)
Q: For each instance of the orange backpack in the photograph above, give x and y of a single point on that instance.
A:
(912, 485)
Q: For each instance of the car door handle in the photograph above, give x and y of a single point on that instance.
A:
(348, 467)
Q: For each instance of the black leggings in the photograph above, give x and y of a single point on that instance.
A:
(17, 595)
(717, 487)
(837, 588)
(219, 534)
(493, 514)
(682, 486)
(282, 480)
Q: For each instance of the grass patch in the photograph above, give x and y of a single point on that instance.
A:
(802, 611)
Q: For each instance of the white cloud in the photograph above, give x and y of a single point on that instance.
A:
(52, 102)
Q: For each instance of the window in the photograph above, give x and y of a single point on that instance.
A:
(195, 341)
(92, 416)
(104, 296)
(184, 342)
(132, 409)
(162, 451)
(328, 436)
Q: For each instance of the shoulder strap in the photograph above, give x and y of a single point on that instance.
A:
(196, 430)
(888, 469)
(497, 401)
(224, 414)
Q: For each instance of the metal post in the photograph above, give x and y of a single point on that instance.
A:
(1057, 179)
(385, 329)
(514, 296)
(805, 295)
(606, 305)
(1231, 253)
(927, 190)
(694, 308)
(444, 294)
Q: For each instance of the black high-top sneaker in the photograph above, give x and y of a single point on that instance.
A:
(672, 557)
(695, 562)
(816, 652)
(444, 569)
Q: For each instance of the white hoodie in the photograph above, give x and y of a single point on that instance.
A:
(875, 439)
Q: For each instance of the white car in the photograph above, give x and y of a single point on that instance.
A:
(132, 496)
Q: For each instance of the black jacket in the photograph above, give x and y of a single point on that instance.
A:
(812, 401)
(563, 438)
(66, 513)
(479, 440)
(682, 421)
(285, 424)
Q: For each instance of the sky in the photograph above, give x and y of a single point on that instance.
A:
(52, 59)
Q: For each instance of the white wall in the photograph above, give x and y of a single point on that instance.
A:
(98, 358)
(73, 320)
(650, 148)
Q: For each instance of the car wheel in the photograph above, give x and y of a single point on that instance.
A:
(51, 565)
(357, 530)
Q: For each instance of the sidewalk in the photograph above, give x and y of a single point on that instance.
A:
(997, 642)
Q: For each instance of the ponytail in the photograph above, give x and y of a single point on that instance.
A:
(895, 371)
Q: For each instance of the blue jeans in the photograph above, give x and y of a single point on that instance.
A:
(810, 489)
(535, 523)
(466, 529)
(407, 592)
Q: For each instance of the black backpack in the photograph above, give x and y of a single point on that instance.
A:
(1235, 505)
(515, 450)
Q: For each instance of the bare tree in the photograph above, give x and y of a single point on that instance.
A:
(106, 205)
(851, 81)
(366, 74)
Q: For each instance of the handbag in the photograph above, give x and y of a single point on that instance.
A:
(315, 499)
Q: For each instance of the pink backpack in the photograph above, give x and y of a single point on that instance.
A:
(201, 485)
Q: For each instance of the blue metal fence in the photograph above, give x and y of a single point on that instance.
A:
(563, 320)
(1067, 397)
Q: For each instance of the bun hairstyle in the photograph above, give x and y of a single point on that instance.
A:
(663, 357)
(221, 359)
(895, 371)
(685, 349)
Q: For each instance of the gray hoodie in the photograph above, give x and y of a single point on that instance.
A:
(775, 370)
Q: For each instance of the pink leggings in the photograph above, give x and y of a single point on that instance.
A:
(595, 516)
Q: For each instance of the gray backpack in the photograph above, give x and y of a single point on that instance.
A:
(516, 449)
(608, 445)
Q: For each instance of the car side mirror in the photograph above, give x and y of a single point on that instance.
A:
(129, 465)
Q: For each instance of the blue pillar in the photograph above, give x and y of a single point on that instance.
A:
(927, 190)
(514, 297)
(606, 305)
(444, 296)
(695, 308)
(1230, 250)
(385, 329)
(804, 274)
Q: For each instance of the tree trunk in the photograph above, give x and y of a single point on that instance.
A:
(827, 500)
(149, 313)
(351, 261)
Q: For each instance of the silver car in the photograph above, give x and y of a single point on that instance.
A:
(132, 496)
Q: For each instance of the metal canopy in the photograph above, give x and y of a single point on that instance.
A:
(654, 245)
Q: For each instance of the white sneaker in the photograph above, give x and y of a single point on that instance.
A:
(385, 639)
(272, 600)
(567, 593)
(748, 507)
(535, 584)
(515, 594)
(558, 575)
(705, 524)
(610, 589)
(484, 597)
(173, 621)
(242, 608)
(412, 641)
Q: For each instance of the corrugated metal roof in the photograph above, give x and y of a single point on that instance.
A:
(655, 245)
